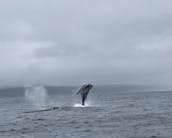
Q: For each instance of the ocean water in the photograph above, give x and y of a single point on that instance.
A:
(109, 113)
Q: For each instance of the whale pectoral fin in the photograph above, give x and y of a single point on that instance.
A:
(78, 92)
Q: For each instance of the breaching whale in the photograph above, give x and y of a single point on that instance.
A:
(84, 90)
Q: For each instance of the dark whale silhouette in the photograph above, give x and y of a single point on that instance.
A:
(84, 90)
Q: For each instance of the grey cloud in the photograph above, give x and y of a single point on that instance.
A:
(53, 42)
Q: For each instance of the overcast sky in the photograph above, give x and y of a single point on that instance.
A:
(69, 42)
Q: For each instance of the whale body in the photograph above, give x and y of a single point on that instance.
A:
(83, 91)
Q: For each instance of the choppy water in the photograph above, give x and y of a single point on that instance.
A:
(108, 114)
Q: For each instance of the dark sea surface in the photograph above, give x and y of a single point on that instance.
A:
(110, 112)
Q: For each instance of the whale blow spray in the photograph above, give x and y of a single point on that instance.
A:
(37, 96)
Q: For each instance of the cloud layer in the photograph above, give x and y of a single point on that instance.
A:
(70, 42)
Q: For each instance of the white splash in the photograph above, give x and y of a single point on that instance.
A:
(87, 104)
(37, 96)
